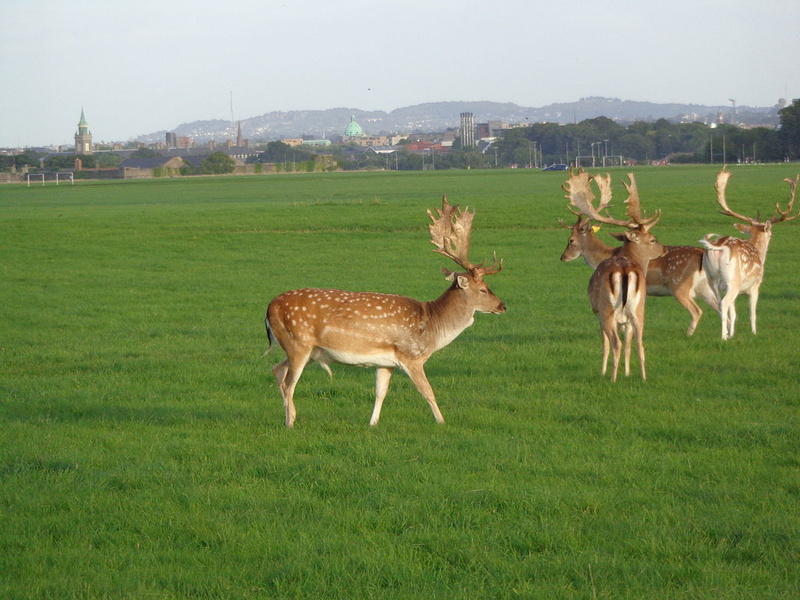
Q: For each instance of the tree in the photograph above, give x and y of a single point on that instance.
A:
(28, 157)
(790, 129)
(636, 145)
(279, 152)
(105, 160)
(58, 162)
(217, 163)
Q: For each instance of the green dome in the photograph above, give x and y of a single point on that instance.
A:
(353, 129)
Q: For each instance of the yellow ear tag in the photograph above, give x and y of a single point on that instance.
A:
(595, 228)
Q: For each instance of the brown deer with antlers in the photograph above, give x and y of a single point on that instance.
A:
(736, 266)
(384, 331)
(679, 272)
(617, 288)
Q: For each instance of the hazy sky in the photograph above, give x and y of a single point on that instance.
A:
(150, 65)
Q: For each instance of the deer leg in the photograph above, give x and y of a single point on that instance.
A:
(616, 348)
(684, 298)
(728, 309)
(628, 331)
(639, 334)
(611, 341)
(279, 371)
(294, 370)
(753, 304)
(606, 348)
(416, 372)
(707, 293)
(725, 307)
(382, 377)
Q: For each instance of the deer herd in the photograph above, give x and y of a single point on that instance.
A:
(388, 331)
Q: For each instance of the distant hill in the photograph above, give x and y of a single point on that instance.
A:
(439, 116)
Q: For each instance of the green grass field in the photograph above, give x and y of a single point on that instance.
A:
(142, 446)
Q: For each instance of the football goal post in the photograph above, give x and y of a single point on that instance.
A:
(40, 175)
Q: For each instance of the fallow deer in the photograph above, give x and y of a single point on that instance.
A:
(736, 266)
(384, 331)
(679, 272)
(617, 289)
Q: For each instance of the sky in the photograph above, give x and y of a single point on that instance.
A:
(147, 66)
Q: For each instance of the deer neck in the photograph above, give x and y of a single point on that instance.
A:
(448, 316)
(634, 253)
(760, 241)
(597, 251)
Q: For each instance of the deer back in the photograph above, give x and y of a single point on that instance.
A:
(677, 265)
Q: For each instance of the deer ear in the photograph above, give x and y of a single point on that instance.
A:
(448, 274)
(463, 282)
(633, 236)
(743, 227)
(618, 236)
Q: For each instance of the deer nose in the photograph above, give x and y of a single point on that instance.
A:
(501, 309)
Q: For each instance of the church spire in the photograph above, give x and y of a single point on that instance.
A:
(83, 137)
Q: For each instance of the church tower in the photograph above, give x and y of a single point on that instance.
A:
(83, 137)
(239, 138)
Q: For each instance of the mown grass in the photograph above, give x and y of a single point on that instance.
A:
(142, 450)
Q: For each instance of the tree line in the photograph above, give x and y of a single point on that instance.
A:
(603, 140)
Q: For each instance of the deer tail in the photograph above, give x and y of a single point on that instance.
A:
(270, 335)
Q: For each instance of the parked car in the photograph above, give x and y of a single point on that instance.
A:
(556, 167)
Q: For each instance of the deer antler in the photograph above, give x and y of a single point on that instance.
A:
(780, 215)
(581, 197)
(783, 215)
(634, 206)
(720, 185)
(450, 233)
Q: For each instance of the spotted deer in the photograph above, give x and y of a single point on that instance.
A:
(384, 331)
(617, 289)
(679, 272)
(736, 266)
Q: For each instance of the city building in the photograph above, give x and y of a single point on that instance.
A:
(353, 131)
(467, 130)
(83, 137)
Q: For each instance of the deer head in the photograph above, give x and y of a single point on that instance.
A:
(583, 241)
